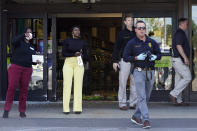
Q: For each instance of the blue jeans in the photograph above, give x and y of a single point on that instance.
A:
(143, 90)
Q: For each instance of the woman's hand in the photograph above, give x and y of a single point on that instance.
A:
(78, 53)
(38, 62)
(28, 36)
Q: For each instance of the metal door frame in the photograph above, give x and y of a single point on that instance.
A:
(52, 94)
(193, 94)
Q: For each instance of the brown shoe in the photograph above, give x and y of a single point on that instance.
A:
(136, 121)
(146, 125)
(173, 99)
(133, 107)
(123, 108)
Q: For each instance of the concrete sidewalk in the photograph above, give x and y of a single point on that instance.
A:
(98, 116)
(102, 109)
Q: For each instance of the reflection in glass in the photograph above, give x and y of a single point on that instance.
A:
(159, 29)
(36, 78)
(50, 74)
(194, 47)
(163, 73)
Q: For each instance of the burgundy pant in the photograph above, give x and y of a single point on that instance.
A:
(17, 75)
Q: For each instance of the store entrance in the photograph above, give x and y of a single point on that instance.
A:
(100, 81)
(99, 31)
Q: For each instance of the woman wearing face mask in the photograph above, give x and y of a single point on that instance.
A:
(73, 50)
(19, 72)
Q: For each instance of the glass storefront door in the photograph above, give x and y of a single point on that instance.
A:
(16, 26)
(194, 52)
(160, 29)
(100, 81)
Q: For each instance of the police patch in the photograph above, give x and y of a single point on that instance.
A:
(149, 44)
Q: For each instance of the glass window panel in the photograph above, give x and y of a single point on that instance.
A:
(17, 27)
(160, 29)
(194, 49)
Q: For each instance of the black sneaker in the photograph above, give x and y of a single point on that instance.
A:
(146, 125)
(66, 113)
(5, 114)
(22, 114)
(77, 112)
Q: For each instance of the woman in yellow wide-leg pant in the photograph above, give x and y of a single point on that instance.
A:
(74, 49)
(70, 70)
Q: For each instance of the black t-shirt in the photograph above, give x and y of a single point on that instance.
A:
(180, 38)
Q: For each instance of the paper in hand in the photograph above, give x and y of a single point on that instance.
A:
(36, 58)
(80, 61)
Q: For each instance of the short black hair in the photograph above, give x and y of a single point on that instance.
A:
(127, 16)
(181, 20)
(75, 26)
(140, 21)
(27, 28)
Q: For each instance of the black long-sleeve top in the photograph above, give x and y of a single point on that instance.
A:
(121, 40)
(136, 46)
(22, 52)
(71, 46)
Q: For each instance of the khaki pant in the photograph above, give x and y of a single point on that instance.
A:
(72, 69)
(124, 73)
(182, 78)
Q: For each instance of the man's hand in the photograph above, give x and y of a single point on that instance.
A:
(182, 53)
(141, 56)
(116, 66)
(153, 57)
(186, 61)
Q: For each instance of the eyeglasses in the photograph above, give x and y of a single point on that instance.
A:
(141, 28)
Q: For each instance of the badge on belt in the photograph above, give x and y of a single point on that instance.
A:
(139, 69)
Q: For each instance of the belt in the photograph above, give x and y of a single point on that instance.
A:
(146, 69)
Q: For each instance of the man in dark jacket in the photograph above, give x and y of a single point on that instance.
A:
(142, 51)
(124, 68)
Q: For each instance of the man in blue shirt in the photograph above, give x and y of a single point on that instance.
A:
(180, 62)
(142, 51)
